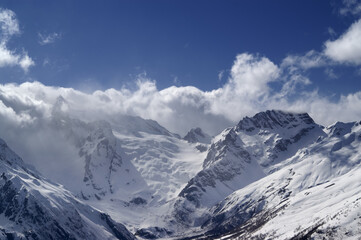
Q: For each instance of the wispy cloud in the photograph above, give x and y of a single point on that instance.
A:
(9, 26)
(45, 39)
(312, 59)
(331, 73)
(331, 32)
(352, 7)
(220, 75)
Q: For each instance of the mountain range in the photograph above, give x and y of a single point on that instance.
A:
(275, 175)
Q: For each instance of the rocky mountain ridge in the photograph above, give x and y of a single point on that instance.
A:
(263, 171)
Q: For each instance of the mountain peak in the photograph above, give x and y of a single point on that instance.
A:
(274, 119)
(339, 129)
(196, 135)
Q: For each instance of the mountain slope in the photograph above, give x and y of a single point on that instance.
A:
(241, 155)
(276, 175)
(316, 194)
(130, 164)
(31, 207)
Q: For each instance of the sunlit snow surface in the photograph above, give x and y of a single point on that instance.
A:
(318, 191)
(165, 164)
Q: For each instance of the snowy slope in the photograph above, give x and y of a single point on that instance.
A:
(31, 207)
(316, 194)
(274, 175)
(166, 164)
(241, 155)
(131, 164)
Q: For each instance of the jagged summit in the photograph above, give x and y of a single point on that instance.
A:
(271, 119)
(196, 135)
(339, 129)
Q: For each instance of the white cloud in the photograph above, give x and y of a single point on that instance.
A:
(9, 26)
(26, 62)
(250, 75)
(347, 48)
(8, 23)
(45, 39)
(9, 58)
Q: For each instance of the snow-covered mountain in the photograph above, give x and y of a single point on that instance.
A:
(31, 207)
(274, 175)
(243, 154)
(315, 194)
(136, 172)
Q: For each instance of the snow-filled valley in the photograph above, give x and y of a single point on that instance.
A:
(276, 175)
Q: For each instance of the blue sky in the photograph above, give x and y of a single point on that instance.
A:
(104, 44)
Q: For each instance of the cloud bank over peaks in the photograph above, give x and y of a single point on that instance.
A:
(9, 26)
(254, 84)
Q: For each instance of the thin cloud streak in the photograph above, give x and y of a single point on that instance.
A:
(45, 39)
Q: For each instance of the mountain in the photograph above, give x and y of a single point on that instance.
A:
(129, 164)
(276, 175)
(315, 195)
(32, 207)
(100, 168)
(196, 135)
(242, 155)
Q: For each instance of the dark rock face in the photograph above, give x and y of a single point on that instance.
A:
(153, 233)
(274, 119)
(138, 201)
